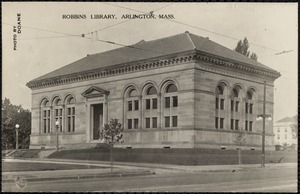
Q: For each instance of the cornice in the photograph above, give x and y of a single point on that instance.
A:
(143, 65)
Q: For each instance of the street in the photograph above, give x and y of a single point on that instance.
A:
(254, 180)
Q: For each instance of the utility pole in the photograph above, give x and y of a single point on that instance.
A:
(264, 129)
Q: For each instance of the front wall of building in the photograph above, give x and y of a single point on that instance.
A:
(180, 75)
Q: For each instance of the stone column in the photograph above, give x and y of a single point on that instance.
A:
(105, 107)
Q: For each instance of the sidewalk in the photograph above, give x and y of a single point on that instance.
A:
(193, 168)
(122, 169)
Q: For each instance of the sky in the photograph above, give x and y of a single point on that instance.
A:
(47, 42)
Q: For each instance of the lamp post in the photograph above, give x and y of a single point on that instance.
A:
(263, 117)
(17, 136)
(57, 126)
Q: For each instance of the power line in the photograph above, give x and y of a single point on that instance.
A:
(171, 20)
(109, 26)
(105, 41)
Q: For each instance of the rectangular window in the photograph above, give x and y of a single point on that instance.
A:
(246, 107)
(58, 117)
(154, 103)
(60, 124)
(129, 123)
(136, 123)
(221, 123)
(222, 104)
(167, 102)
(232, 105)
(236, 124)
(174, 121)
(48, 120)
(278, 137)
(45, 125)
(69, 124)
(217, 103)
(246, 125)
(136, 105)
(231, 124)
(251, 109)
(147, 122)
(154, 122)
(237, 106)
(167, 121)
(129, 105)
(71, 119)
(216, 122)
(175, 101)
(148, 104)
(250, 125)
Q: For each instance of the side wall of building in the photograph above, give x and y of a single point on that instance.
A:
(212, 135)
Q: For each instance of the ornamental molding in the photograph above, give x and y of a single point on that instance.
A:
(143, 65)
(94, 92)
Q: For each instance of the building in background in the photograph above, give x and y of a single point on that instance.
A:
(284, 131)
(182, 91)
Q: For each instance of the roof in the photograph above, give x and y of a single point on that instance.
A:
(288, 120)
(149, 49)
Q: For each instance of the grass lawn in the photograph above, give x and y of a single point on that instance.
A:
(36, 166)
(176, 156)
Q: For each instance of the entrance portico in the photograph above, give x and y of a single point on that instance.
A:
(97, 111)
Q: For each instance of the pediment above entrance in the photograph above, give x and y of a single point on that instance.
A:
(94, 92)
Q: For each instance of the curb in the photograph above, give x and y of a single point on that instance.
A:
(87, 176)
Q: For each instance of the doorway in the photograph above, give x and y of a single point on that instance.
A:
(97, 120)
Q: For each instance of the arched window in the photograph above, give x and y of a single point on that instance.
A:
(46, 116)
(151, 106)
(70, 112)
(58, 113)
(235, 108)
(171, 88)
(151, 90)
(220, 106)
(235, 92)
(249, 95)
(170, 99)
(132, 106)
(249, 103)
(133, 93)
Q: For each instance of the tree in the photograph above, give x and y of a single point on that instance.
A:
(240, 141)
(243, 46)
(12, 115)
(112, 134)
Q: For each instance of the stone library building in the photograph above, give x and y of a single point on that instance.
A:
(181, 91)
